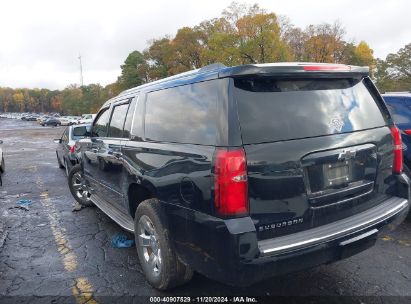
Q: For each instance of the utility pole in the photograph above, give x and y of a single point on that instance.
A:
(81, 71)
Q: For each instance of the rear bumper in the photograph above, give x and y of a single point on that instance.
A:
(228, 251)
(363, 221)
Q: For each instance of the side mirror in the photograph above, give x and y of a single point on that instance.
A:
(57, 141)
(88, 132)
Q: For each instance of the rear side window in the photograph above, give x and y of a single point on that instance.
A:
(129, 118)
(117, 121)
(100, 126)
(184, 114)
(274, 109)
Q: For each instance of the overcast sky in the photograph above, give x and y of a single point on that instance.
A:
(41, 40)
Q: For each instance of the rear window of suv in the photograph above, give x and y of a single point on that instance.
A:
(282, 109)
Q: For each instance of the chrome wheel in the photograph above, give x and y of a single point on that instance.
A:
(79, 186)
(149, 245)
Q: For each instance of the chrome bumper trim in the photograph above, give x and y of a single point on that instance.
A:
(329, 232)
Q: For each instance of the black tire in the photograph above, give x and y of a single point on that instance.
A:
(59, 162)
(76, 182)
(171, 272)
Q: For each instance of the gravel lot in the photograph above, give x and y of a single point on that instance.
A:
(51, 251)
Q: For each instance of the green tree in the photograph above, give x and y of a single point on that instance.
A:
(394, 73)
(400, 63)
(93, 97)
(130, 71)
(72, 100)
(159, 55)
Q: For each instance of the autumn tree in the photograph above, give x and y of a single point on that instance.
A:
(185, 51)
(363, 55)
(221, 42)
(111, 90)
(260, 41)
(295, 38)
(325, 43)
(159, 56)
(57, 103)
(18, 99)
(242, 34)
(6, 97)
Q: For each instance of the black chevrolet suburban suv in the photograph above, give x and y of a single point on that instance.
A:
(243, 173)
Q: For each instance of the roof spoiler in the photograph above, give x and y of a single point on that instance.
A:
(296, 69)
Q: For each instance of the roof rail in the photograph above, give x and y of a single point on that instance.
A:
(207, 68)
(212, 67)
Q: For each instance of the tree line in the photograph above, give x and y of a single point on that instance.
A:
(243, 34)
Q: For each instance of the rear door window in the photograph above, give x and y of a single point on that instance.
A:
(282, 109)
(129, 118)
(117, 120)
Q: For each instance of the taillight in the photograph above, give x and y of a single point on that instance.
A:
(408, 132)
(73, 148)
(230, 183)
(397, 149)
